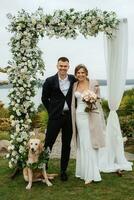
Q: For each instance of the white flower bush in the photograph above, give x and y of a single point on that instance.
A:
(27, 61)
(94, 21)
(62, 24)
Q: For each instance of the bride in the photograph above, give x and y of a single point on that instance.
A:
(88, 125)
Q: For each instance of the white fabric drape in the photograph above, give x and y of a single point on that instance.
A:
(112, 156)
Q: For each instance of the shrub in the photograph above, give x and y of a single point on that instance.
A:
(40, 120)
(127, 105)
(128, 92)
(125, 112)
(127, 125)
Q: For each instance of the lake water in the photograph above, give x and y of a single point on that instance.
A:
(37, 99)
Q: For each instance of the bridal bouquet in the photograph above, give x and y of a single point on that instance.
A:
(90, 98)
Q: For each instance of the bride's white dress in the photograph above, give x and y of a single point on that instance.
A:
(86, 157)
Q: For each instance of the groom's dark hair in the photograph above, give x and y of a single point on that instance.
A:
(63, 59)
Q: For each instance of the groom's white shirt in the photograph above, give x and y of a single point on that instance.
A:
(64, 86)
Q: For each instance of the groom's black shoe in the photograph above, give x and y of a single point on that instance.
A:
(63, 176)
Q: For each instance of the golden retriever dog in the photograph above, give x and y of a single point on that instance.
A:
(35, 147)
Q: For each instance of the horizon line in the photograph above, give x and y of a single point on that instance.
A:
(102, 82)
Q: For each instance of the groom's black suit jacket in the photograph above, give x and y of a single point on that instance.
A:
(53, 98)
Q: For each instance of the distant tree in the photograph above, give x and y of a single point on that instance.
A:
(127, 103)
(125, 112)
(129, 92)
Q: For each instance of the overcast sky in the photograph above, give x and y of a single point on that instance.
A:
(87, 51)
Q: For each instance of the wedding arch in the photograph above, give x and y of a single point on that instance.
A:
(27, 61)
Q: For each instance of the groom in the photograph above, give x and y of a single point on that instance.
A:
(56, 97)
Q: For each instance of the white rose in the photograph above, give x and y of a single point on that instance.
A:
(12, 147)
(33, 20)
(24, 143)
(33, 62)
(21, 149)
(20, 81)
(14, 153)
(29, 64)
(12, 136)
(29, 93)
(27, 116)
(14, 81)
(101, 27)
(11, 90)
(93, 22)
(7, 155)
(27, 98)
(108, 30)
(17, 122)
(26, 104)
(16, 105)
(12, 159)
(32, 109)
(18, 113)
(22, 89)
(25, 111)
(25, 33)
(62, 24)
(10, 164)
(17, 157)
(89, 25)
(24, 58)
(13, 123)
(14, 108)
(21, 96)
(17, 130)
(17, 93)
(24, 85)
(26, 126)
(11, 117)
(19, 139)
(18, 36)
(29, 85)
(18, 28)
(15, 161)
(25, 137)
(12, 96)
(29, 121)
(15, 134)
(18, 100)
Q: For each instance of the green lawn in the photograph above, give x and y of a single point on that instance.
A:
(111, 188)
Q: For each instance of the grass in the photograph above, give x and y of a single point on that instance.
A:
(4, 135)
(112, 187)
